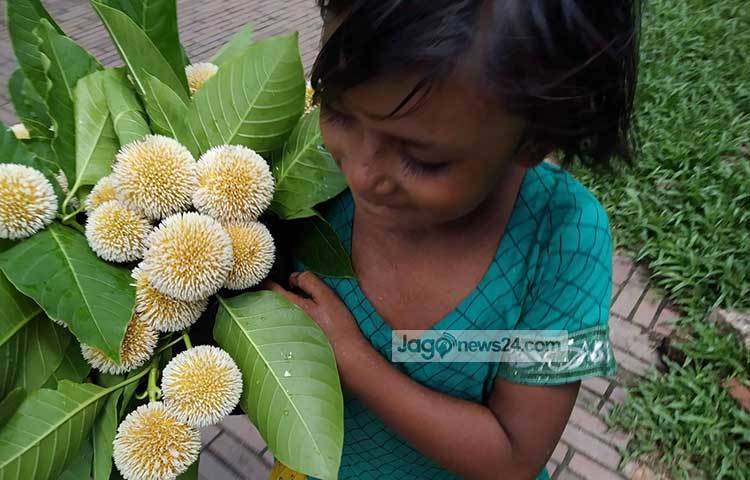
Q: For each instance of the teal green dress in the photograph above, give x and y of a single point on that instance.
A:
(552, 271)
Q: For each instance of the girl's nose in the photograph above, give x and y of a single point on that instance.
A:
(370, 166)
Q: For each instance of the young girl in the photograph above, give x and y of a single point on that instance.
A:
(440, 114)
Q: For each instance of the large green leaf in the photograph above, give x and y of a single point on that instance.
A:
(158, 19)
(73, 367)
(42, 345)
(59, 271)
(9, 405)
(96, 142)
(17, 311)
(64, 64)
(29, 106)
(235, 47)
(138, 51)
(253, 100)
(103, 435)
(44, 158)
(79, 467)
(126, 111)
(23, 17)
(306, 174)
(319, 248)
(13, 150)
(48, 430)
(169, 114)
(291, 389)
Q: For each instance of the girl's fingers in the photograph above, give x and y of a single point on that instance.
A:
(276, 288)
(309, 283)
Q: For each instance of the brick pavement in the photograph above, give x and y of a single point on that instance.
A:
(234, 450)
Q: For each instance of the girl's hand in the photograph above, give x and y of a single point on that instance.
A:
(327, 310)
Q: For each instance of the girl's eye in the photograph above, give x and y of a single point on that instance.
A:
(413, 166)
(335, 118)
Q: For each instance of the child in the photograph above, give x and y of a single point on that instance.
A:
(440, 114)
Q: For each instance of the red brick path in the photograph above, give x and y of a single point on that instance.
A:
(234, 450)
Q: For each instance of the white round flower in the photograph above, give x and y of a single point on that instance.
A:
(254, 253)
(155, 176)
(137, 348)
(116, 233)
(27, 201)
(189, 257)
(202, 385)
(164, 313)
(151, 444)
(198, 74)
(235, 184)
(103, 192)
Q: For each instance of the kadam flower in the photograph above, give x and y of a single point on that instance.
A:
(309, 97)
(201, 385)
(164, 313)
(20, 131)
(151, 444)
(103, 192)
(198, 74)
(27, 201)
(234, 184)
(254, 251)
(189, 257)
(155, 176)
(137, 347)
(116, 233)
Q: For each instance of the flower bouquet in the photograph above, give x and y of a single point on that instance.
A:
(138, 210)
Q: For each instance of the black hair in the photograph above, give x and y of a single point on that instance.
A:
(568, 66)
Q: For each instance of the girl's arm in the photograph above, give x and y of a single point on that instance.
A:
(512, 437)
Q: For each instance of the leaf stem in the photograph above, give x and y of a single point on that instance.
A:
(70, 222)
(170, 344)
(72, 215)
(154, 393)
(130, 380)
(186, 339)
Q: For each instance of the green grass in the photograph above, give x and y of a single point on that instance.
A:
(684, 209)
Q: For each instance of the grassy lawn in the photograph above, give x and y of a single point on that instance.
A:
(684, 209)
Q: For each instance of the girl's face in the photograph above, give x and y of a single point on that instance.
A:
(430, 166)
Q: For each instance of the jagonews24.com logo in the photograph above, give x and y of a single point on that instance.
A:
(428, 347)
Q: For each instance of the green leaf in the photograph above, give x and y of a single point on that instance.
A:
(73, 367)
(45, 157)
(319, 249)
(191, 473)
(64, 64)
(291, 389)
(126, 111)
(235, 47)
(48, 430)
(103, 435)
(13, 150)
(23, 17)
(138, 51)
(10, 404)
(254, 100)
(169, 114)
(29, 106)
(96, 143)
(158, 19)
(306, 174)
(80, 466)
(57, 269)
(17, 311)
(42, 346)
